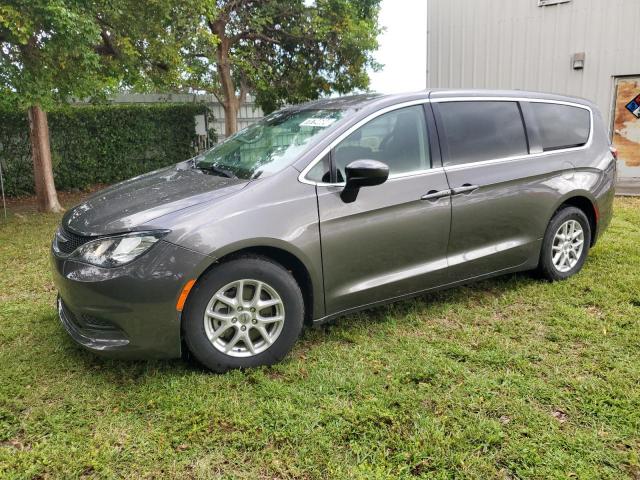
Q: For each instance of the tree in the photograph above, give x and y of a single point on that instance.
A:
(52, 51)
(281, 51)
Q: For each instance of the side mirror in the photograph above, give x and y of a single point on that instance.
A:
(363, 173)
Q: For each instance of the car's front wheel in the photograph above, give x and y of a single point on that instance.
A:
(243, 313)
(565, 245)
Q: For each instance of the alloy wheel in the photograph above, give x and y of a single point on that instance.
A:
(244, 318)
(567, 247)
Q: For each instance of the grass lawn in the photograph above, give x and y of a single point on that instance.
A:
(509, 378)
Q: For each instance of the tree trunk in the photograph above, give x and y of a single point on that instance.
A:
(46, 195)
(230, 118)
(231, 102)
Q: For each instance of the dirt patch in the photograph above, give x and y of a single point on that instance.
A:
(560, 416)
(67, 199)
(594, 311)
(16, 443)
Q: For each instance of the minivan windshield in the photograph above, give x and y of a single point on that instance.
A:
(269, 145)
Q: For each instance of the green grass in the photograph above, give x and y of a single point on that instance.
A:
(508, 378)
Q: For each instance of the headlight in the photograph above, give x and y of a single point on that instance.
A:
(118, 250)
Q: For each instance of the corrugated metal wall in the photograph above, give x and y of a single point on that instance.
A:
(515, 44)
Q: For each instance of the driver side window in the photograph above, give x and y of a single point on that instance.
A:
(397, 138)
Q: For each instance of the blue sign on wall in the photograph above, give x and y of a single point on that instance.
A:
(634, 106)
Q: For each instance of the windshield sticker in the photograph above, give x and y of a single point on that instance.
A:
(317, 122)
(634, 106)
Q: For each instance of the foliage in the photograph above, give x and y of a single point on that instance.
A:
(284, 52)
(99, 144)
(15, 153)
(509, 378)
(47, 51)
(52, 51)
(317, 50)
(55, 50)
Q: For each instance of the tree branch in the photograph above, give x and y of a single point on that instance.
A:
(234, 5)
(299, 38)
(244, 89)
(216, 94)
(161, 66)
(107, 47)
(253, 36)
(103, 22)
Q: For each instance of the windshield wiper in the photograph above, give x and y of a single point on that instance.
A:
(217, 170)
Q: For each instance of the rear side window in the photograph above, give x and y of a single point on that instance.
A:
(482, 130)
(561, 126)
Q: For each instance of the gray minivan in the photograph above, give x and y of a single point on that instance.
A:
(330, 207)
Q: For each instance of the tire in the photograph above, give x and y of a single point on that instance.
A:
(553, 245)
(247, 319)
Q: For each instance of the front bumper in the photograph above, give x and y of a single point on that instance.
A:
(129, 311)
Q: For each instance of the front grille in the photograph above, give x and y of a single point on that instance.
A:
(67, 242)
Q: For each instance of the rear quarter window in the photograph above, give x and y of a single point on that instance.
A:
(476, 131)
(561, 126)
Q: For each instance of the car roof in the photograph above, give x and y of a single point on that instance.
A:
(443, 94)
(360, 101)
(339, 103)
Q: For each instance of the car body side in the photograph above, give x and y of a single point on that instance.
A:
(282, 216)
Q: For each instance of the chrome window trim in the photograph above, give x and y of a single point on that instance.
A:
(499, 161)
(302, 177)
(509, 99)
(395, 176)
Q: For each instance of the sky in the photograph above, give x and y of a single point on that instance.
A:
(403, 47)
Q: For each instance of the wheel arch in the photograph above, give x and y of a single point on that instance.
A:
(583, 201)
(286, 258)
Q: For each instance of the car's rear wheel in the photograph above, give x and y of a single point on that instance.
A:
(243, 313)
(565, 245)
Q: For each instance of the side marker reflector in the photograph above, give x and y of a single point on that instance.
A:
(184, 294)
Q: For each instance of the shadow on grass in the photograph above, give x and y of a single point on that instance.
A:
(462, 294)
(126, 373)
(119, 371)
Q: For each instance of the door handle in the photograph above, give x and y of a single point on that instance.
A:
(466, 188)
(436, 194)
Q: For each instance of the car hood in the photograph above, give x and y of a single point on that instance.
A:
(134, 202)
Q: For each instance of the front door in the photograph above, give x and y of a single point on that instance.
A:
(390, 241)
